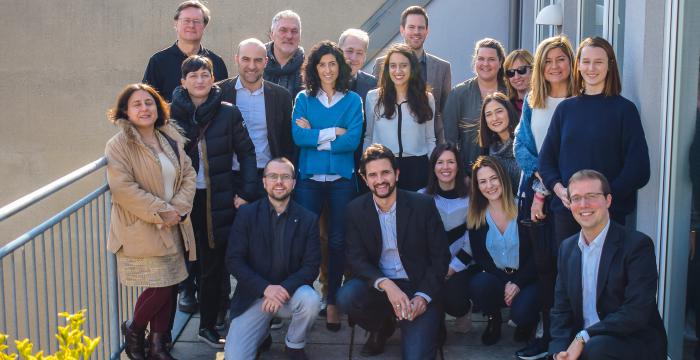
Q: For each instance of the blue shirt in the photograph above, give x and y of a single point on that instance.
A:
(590, 262)
(252, 107)
(503, 248)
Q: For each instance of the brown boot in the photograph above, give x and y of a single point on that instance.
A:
(157, 349)
(133, 341)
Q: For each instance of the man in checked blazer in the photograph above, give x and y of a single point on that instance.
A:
(436, 72)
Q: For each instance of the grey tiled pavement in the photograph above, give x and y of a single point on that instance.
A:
(323, 344)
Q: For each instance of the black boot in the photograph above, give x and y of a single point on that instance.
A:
(377, 339)
(187, 302)
(493, 329)
(133, 341)
(157, 349)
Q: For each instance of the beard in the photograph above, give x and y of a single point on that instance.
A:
(391, 189)
(282, 197)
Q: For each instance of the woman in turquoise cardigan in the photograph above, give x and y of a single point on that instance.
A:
(327, 125)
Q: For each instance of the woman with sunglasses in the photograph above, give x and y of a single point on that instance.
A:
(518, 66)
(461, 113)
(496, 126)
(551, 83)
(400, 115)
(501, 248)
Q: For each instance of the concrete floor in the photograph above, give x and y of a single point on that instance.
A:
(323, 344)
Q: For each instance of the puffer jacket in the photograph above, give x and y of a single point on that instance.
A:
(225, 135)
(136, 183)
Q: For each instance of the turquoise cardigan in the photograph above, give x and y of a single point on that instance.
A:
(347, 114)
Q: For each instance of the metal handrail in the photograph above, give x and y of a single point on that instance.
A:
(41, 193)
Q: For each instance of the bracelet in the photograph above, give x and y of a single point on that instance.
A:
(539, 196)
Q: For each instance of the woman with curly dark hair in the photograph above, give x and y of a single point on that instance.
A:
(326, 125)
(400, 114)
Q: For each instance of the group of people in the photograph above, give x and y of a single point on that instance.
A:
(413, 199)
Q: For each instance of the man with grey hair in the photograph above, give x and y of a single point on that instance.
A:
(163, 70)
(354, 44)
(284, 53)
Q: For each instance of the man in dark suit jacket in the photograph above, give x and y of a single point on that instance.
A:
(273, 252)
(605, 298)
(397, 252)
(266, 107)
(436, 72)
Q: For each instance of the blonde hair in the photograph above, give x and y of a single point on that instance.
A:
(478, 204)
(539, 87)
(519, 54)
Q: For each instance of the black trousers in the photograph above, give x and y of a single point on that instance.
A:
(211, 265)
(608, 347)
(414, 172)
(457, 291)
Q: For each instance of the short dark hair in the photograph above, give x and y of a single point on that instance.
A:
(119, 111)
(414, 10)
(282, 160)
(487, 136)
(460, 186)
(589, 174)
(613, 84)
(195, 63)
(376, 152)
(193, 4)
(311, 79)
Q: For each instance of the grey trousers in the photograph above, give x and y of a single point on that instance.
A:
(248, 330)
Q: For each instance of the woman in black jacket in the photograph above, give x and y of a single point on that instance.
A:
(508, 276)
(215, 131)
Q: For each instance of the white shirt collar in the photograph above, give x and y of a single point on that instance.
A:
(323, 98)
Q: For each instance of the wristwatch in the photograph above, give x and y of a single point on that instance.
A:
(579, 337)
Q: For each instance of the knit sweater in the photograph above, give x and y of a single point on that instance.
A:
(347, 114)
(600, 133)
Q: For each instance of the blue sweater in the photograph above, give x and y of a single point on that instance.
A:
(347, 114)
(524, 147)
(599, 133)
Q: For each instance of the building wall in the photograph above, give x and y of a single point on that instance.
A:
(65, 62)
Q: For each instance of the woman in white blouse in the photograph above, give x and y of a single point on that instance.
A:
(400, 114)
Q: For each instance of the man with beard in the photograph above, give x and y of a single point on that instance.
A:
(265, 106)
(284, 53)
(274, 254)
(397, 252)
(435, 71)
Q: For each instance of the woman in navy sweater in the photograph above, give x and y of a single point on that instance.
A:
(327, 125)
(596, 129)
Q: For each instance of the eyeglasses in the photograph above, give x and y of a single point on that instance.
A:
(277, 177)
(521, 70)
(195, 22)
(577, 199)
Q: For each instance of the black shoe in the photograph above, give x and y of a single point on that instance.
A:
(266, 344)
(377, 339)
(295, 354)
(537, 349)
(275, 323)
(187, 302)
(493, 330)
(221, 320)
(334, 327)
(522, 333)
(211, 338)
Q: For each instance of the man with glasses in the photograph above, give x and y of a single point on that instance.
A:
(163, 70)
(273, 251)
(605, 298)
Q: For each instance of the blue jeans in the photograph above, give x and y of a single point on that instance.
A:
(370, 309)
(313, 195)
(486, 291)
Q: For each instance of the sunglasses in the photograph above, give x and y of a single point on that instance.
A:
(521, 70)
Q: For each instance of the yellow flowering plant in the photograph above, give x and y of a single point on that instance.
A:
(73, 344)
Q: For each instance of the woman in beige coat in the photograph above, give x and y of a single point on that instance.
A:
(153, 184)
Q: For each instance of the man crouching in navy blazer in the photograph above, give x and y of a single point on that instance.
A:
(397, 250)
(605, 298)
(273, 252)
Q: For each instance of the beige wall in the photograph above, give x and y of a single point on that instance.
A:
(64, 63)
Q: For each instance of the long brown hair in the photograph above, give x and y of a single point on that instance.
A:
(539, 87)
(487, 136)
(417, 89)
(613, 85)
(478, 203)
